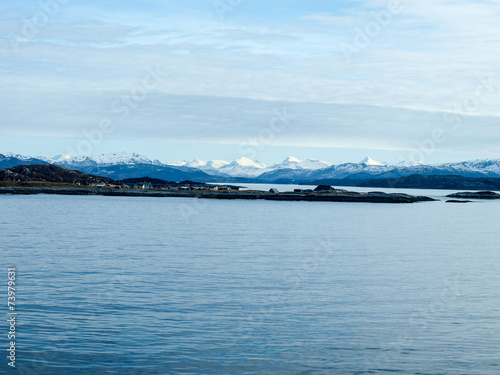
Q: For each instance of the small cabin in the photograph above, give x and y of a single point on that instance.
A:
(143, 186)
(274, 191)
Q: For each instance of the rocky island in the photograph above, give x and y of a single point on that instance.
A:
(475, 195)
(50, 179)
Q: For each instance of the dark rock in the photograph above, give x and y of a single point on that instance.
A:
(332, 197)
(475, 195)
(324, 188)
(52, 174)
(456, 201)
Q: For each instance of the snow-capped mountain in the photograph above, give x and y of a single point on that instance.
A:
(117, 166)
(127, 165)
(206, 166)
(294, 163)
(491, 167)
(243, 167)
(105, 160)
(366, 169)
(9, 160)
(370, 161)
(196, 163)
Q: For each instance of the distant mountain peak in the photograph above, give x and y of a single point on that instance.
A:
(15, 156)
(59, 158)
(292, 159)
(369, 161)
(246, 162)
(217, 163)
(195, 163)
(127, 164)
(405, 163)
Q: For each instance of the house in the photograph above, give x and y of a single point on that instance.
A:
(228, 188)
(213, 188)
(274, 191)
(298, 190)
(143, 186)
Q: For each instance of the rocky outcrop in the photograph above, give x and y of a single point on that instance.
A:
(51, 174)
(324, 189)
(375, 197)
(475, 195)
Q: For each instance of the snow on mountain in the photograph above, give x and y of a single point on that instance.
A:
(60, 158)
(291, 168)
(121, 158)
(246, 162)
(488, 167)
(370, 161)
(294, 163)
(176, 163)
(406, 163)
(106, 160)
(16, 156)
(216, 164)
(196, 163)
(211, 167)
(9, 160)
(244, 167)
(349, 170)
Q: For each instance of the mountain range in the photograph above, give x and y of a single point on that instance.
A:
(119, 166)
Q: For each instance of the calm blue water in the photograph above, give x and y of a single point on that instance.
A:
(183, 286)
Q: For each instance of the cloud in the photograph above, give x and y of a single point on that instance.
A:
(236, 121)
(223, 79)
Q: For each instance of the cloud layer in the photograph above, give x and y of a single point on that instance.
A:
(221, 79)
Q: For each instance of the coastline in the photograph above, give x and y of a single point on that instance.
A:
(373, 197)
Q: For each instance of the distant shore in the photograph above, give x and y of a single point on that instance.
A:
(341, 196)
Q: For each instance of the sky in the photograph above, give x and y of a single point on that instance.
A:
(265, 79)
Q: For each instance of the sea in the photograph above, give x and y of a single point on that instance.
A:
(143, 285)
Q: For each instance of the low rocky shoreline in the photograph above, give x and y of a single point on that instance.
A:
(341, 196)
(475, 195)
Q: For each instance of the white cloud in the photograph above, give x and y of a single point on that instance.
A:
(430, 58)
